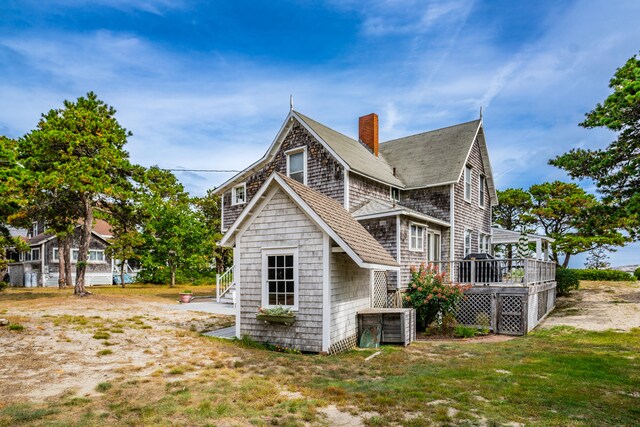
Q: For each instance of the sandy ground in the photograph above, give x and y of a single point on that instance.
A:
(599, 306)
(58, 352)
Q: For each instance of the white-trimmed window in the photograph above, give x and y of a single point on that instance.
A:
(280, 277)
(434, 247)
(468, 176)
(297, 164)
(25, 256)
(239, 194)
(395, 194)
(416, 237)
(484, 240)
(34, 229)
(467, 242)
(481, 191)
(95, 255)
(35, 254)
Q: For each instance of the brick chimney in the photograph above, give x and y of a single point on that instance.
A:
(368, 132)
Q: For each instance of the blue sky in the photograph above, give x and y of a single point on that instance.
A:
(206, 85)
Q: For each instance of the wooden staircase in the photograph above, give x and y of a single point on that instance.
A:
(226, 287)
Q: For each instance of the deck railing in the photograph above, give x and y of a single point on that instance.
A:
(224, 282)
(515, 271)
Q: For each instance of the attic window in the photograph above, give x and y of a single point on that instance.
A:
(468, 176)
(395, 194)
(239, 194)
(297, 164)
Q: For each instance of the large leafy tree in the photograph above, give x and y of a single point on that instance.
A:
(11, 173)
(76, 158)
(561, 210)
(513, 212)
(177, 238)
(210, 207)
(615, 169)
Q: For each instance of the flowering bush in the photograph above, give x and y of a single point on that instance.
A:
(276, 311)
(430, 296)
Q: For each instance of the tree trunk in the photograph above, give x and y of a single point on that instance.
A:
(83, 250)
(66, 253)
(122, 265)
(62, 278)
(173, 277)
(565, 264)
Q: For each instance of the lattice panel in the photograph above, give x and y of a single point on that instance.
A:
(543, 299)
(380, 289)
(392, 300)
(475, 309)
(344, 344)
(511, 315)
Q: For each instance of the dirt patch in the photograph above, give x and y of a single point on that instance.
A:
(598, 306)
(490, 338)
(70, 344)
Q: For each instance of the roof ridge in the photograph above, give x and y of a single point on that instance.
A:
(431, 131)
(323, 125)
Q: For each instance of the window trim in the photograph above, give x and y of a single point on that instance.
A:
(432, 246)
(55, 256)
(464, 242)
(484, 237)
(297, 150)
(234, 200)
(266, 252)
(468, 181)
(424, 232)
(481, 193)
(391, 194)
(33, 258)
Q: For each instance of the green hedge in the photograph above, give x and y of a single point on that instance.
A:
(637, 273)
(566, 281)
(604, 275)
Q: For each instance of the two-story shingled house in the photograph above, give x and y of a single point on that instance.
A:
(425, 197)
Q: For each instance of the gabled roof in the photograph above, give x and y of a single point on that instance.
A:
(359, 158)
(329, 215)
(375, 208)
(438, 157)
(351, 154)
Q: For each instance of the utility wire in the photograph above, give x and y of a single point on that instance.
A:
(203, 170)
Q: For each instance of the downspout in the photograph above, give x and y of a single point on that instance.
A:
(398, 256)
(452, 230)
(346, 190)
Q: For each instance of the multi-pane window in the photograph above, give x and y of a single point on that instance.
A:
(483, 243)
(95, 255)
(481, 193)
(416, 238)
(239, 194)
(35, 254)
(467, 183)
(281, 280)
(295, 166)
(467, 242)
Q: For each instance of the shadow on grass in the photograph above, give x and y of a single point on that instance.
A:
(25, 296)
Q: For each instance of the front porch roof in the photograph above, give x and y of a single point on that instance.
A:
(501, 236)
(328, 214)
(381, 208)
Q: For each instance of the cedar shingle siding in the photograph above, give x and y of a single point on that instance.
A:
(287, 226)
(469, 214)
(432, 201)
(324, 173)
(362, 189)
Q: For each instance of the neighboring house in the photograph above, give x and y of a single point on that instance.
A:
(40, 265)
(423, 198)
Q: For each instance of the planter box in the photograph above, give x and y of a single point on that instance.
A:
(285, 320)
(185, 298)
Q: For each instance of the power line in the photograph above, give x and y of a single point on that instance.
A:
(203, 170)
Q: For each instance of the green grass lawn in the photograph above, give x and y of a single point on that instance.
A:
(553, 377)
(559, 376)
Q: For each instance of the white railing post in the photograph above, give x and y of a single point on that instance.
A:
(525, 265)
(473, 271)
(217, 288)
